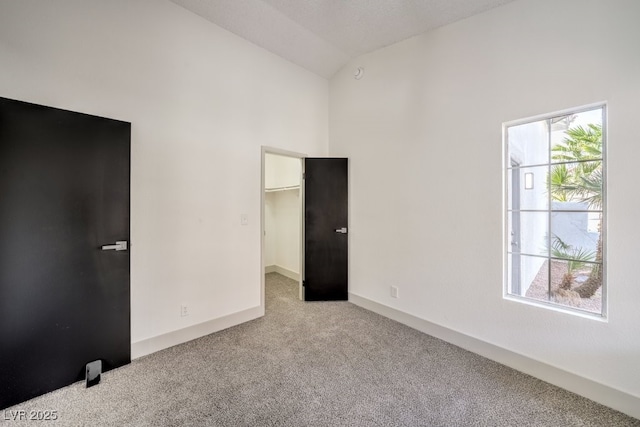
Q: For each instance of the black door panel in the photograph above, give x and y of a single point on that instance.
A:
(325, 216)
(64, 192)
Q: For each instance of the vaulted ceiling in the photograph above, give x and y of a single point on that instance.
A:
(323, 35)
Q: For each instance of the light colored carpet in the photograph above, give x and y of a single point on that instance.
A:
(318, 364)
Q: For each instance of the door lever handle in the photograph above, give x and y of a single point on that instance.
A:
(342, 230)
(119, 246)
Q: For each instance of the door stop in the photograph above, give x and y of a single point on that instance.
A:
(94, 369)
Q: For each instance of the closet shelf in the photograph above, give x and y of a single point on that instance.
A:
(271, 190)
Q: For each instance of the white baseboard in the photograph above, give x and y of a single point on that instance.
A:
(160, 342)
(281, 270)
(605, 395)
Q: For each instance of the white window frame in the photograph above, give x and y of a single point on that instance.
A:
(507, 169)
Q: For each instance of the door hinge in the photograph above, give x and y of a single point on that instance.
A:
(304, 175)
(304, 283)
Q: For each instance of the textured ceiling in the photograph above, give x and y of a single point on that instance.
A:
(323, 35)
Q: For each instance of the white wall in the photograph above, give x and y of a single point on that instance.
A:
(282, 213)
(422, 130)
(202, 102)
(270, 230)
(288, 230)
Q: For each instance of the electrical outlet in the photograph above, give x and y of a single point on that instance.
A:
(244, 219)
(394, 292)
(183, 310)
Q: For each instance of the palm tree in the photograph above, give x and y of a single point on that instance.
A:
(580, 179)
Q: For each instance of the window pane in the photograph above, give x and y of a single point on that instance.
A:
(536, 277)
(528, 188)
(577, 137)
(526, 272)
(528, 232)
(576, 284)
(577, 185)
(572, 236)
(528, 144)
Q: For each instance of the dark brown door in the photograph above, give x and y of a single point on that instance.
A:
(325, 229)
(64, 193)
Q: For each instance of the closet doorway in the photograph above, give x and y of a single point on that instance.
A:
(282, 214)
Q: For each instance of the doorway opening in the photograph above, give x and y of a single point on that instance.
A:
(282, 203)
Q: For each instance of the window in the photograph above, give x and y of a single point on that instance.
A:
(555, 210)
